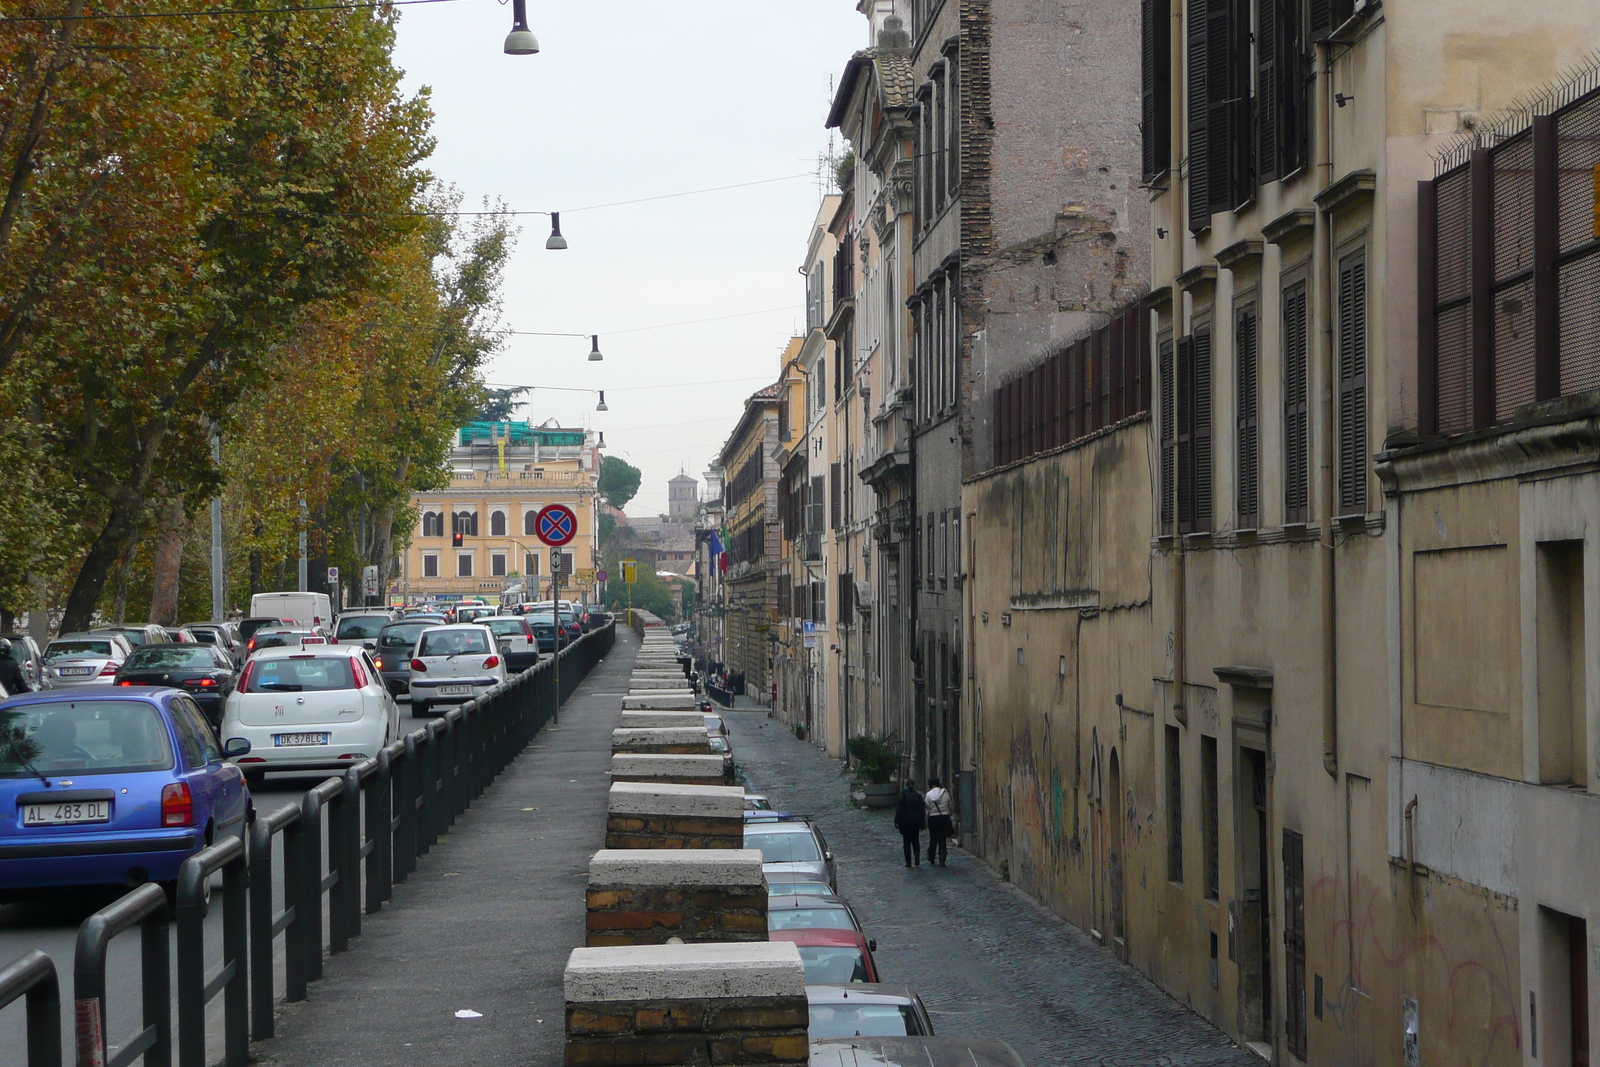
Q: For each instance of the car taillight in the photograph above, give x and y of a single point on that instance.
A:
(361, 675)
(418, 665)
(109, 670)
(124, 682)
(204, 683)
(244, 679)
(491, 663)
(177, 805)
(251, 647)
(377, 661)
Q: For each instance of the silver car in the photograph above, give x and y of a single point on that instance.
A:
(791, 850)
(28, 657)
(136, 635)
(866, 1009)
(84, 659)
(913, 1052)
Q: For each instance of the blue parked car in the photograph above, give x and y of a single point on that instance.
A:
(110, 787)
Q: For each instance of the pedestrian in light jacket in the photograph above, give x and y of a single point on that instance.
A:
(940, 824)
(909, 817)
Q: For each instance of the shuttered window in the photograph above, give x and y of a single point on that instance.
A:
(1282, 102)
(1196, 55)
(816, 521)
(847, 596)
(1296, 411)
(1169, 439)
(1294, 941)
(833, 495)
(1195, 464)
(1247, 417)
(1329, 15)
(1210, 817)
(1155, 121)
(1353, 384)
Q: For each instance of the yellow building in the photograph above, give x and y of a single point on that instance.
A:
(502, 475)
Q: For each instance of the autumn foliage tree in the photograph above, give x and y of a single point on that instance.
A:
(218, 226)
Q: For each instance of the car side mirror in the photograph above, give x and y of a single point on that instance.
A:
(370, 646)
(872, 944)
(237, 746)
(828, 856)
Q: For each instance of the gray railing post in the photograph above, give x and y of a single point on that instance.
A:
(33, 975)
(194, 992)
(146, 907)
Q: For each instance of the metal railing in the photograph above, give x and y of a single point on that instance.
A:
(34, 976)
(382, 815)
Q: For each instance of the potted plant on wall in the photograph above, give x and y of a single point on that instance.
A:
(877, 761)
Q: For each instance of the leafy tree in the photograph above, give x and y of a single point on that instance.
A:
(619, 481)
(499, 405)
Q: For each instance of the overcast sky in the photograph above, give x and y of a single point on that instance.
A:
(632, 99)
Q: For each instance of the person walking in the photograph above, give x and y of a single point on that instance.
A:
(909, 817)
(940, 825)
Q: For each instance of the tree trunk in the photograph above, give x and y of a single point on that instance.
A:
(168, 565)
(114, 537)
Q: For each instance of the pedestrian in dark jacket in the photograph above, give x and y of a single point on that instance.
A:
(909, 818)
(940, 824)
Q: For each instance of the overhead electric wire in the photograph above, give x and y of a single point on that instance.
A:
(660, 326)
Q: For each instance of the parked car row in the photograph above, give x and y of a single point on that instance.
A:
(856, 1017)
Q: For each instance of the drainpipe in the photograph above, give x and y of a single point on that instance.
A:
(1323, 283)
(1180, 710)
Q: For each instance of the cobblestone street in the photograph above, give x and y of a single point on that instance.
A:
(987, 961)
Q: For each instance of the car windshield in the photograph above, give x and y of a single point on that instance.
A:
(362, 626)
(784, 847)
(452, 643)
(863, 1020)
(162, 658)
(402, 636)
(281, 639)
(59, 649)
(802, 889)
(297, 674)
(82, 737)
(133, 637)
(810, 919)
(248, 627)
(541, 620)
(506, 627)
(832, 964)
(204, 637)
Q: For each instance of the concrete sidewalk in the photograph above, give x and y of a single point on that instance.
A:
(486, 922)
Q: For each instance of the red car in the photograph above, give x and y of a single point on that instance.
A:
(832, 957)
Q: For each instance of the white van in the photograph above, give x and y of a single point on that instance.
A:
(302, 609)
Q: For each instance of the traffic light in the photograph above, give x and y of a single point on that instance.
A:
(456, 539)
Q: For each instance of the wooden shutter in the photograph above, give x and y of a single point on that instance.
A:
(1169, 442)
(1156, 114)
(833, 495)
(1295, 75)
(1294, 941)
(1248, 430)
(1269, 115)
(1329, 15)
(1220, 106)
(1353, 384)
(1198, 166)
(1200, 419)
(1241, 106)
(1296, 412)
(1183, 434)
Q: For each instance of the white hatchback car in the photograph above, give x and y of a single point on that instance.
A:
(454, 664)
(308, 708)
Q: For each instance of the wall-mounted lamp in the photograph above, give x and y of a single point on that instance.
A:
(594, 349)
(1342, 99)
(1161, 234)
(520, 41)
(556, 243)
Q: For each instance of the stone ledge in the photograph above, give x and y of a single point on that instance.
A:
(684, 972)
(662, 720)
(694, 801)
(677, 867)
(636, 765)
(670, 700)
(682, 741)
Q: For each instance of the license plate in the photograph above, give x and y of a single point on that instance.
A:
(66, 814)
(455, 690)
(289, 740)
(75, 672)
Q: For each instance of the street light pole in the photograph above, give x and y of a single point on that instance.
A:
(218, 587)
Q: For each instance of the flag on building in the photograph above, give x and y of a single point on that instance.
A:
(719, 555)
